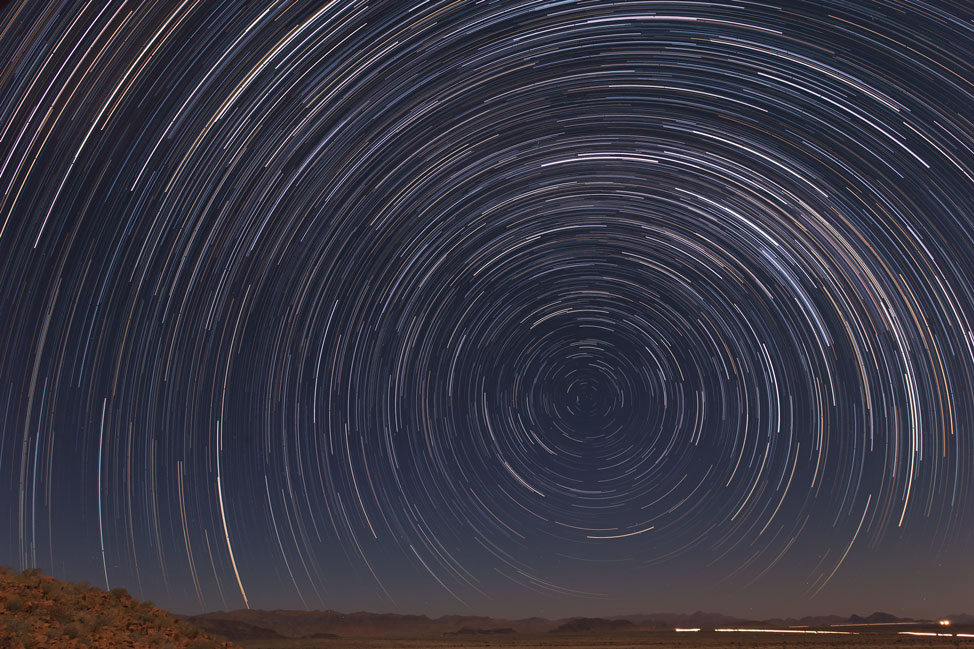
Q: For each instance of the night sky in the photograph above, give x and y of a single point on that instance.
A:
(505, 307)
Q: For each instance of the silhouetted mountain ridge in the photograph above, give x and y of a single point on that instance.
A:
(589, 624)
(876, 618)
(697, 619)
(303, 624)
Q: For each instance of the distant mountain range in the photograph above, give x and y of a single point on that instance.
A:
(302, 624)
(260, 624)
(692, 620)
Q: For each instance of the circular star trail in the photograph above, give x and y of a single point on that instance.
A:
(446, 305)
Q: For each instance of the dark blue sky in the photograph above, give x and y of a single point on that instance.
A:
(506, 307)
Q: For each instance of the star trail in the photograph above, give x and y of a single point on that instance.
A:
(498, 306)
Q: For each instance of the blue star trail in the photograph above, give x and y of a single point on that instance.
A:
(500, 306)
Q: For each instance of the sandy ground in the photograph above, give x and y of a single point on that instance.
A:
(654, 639)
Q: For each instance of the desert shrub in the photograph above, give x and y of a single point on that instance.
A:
(31, 642)
(189, 630)
(201, 643)
(14, 605)
(32, 576)
(100, 622)
(16, 630)
(61, 614)
(87, 587)
(15, 626)
(54, 589)
(53, 632)
(73, 630)
(119, 593)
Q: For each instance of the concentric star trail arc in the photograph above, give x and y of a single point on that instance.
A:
(503, 306)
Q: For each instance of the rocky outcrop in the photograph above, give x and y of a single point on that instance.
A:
(38, 612)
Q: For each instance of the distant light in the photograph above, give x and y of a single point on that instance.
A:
(944, 622)
(686, 630)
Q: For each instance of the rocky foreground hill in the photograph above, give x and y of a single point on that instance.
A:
(38, 612)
